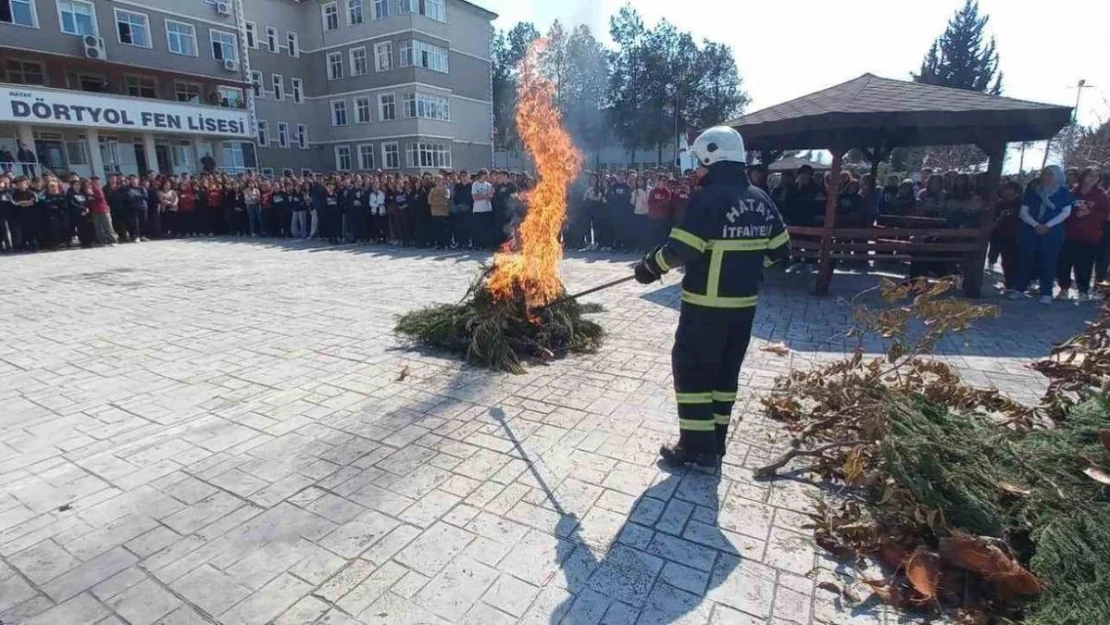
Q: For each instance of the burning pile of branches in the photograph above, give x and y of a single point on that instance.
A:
(517, 309)
(501, 334)
(971, 501)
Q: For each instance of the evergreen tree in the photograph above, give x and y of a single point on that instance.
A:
(508, 49)
(960, 58)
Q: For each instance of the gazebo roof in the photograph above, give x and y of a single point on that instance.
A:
(870, 111)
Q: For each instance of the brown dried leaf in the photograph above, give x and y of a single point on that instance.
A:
(923, 571)
(404, 374)
(777, 349)
(1097, 474)
(1014, 489)
(854, 468)
(982, 556)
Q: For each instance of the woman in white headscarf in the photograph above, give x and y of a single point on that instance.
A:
(1045, 207)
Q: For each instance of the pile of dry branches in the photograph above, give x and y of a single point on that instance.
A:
(971, 501)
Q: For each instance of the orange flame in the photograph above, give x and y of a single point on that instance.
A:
(530, 261)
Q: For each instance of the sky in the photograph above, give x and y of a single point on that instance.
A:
(788, 49)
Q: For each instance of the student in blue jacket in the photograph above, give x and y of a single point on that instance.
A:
(1044, 208)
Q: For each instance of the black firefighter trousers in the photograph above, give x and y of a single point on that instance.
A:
(709, 348)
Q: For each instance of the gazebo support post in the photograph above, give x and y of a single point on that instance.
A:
(825, 262)
(973, 271)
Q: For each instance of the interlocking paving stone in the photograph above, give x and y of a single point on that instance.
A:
(226, 420)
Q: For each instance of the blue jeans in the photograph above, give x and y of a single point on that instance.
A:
(254, 213)
(1039, 257)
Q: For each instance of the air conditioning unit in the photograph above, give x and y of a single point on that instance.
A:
(223, 8)
(231, 65)
(94, 48)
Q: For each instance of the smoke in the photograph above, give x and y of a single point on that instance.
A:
(592, 13)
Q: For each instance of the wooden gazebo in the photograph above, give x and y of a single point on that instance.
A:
(876, 115)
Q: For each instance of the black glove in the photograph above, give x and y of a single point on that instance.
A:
(644, 274)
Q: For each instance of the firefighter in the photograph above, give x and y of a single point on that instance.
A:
(729, 233)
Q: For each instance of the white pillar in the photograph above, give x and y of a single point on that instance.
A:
(218, 154)
(26, 138)
(26, 135)
(151, 153)
(198, 153)
(96, 163)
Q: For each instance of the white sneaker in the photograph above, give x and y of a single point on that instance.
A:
(1081, 298)
(1063, 295)
(1046, 300)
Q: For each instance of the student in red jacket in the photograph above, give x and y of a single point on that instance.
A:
(101, 214)
(1083, 235)
(660, 209)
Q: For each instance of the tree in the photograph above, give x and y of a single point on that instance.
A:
(1091, 149)
(508, 49)
(585, 92)
(628, 109)
(960, 59)
(664, 84)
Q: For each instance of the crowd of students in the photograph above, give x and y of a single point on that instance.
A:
(445, 210)
(1053, 230)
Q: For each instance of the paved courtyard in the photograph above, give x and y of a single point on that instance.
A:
(227, 432)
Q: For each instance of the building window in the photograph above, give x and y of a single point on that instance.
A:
(18, 12)
(181, 38)
(263, 132)
(429, 155)
(283, 134)
(362, 110)
(391, 155)
(302, 136)
(366, 156)
(335, 66)
(422, 54)
(339, 113)
(141, 86)
(387, 107)
(354, 12)
(432, 9)
(358, 61)
(298, 89)
(426, 107)
(272, 39)
(256, 83)
(343, 157)
(234, 157)
(133, 29)
(252, 35)
(331, 16)
(187, 92)
(93, 83)
(294, 43)
(230, 97)
(383, 56)
(223, 45)
(77, 18)
(26, 72)
(287, 172)
(77, 152)
(279, 86)
(381, 9)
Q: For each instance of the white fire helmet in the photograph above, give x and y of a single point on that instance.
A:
(718, 144)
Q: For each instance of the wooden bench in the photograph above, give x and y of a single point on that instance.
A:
(879, 243)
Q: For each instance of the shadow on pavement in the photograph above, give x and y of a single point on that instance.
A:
(630, 569)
